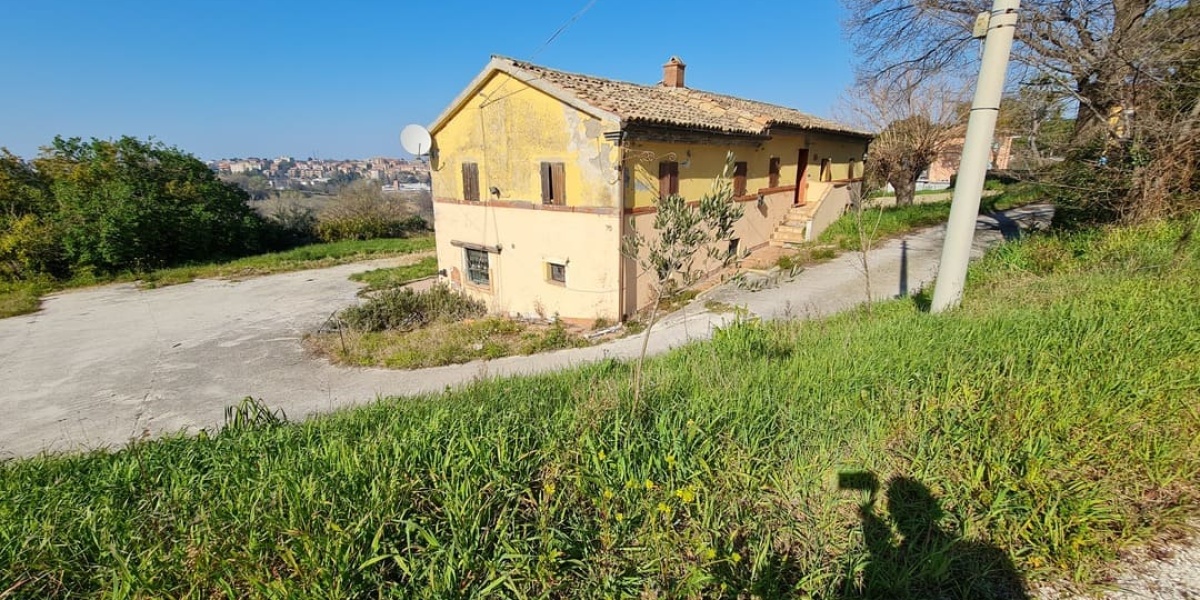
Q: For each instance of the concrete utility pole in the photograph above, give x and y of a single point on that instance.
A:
(960, 231)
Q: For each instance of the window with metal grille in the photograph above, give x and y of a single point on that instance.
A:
(557, 272)
(478, 269)
(773, 172)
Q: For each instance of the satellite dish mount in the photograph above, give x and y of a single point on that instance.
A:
(416, 140)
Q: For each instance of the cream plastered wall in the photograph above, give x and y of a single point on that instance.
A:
(586, 242)
(752, 231)
(508, 128)
(699, 164)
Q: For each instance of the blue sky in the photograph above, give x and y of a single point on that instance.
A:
(225, 78)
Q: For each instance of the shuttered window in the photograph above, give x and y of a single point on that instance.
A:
(554, 185)
(739, 178)
(470, 176)
(773, 172)
(668, 179)
(826, 170)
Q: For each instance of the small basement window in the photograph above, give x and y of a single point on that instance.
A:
(556, 272)
(734, 247)
(478, 267)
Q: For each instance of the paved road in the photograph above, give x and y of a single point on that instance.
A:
(98, 367)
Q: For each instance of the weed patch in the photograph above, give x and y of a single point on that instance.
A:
(444, 343)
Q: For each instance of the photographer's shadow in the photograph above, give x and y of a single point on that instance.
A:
(919, 558)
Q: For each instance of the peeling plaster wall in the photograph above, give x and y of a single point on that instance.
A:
(508, 128)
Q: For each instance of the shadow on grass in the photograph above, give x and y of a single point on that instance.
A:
(913, 555)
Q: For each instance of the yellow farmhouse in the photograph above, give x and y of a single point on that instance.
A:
(537, 175)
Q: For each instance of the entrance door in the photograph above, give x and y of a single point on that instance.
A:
(801, 178)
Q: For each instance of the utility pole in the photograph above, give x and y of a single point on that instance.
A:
(960, 231)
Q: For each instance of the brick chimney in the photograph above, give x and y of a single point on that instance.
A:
(673, 73)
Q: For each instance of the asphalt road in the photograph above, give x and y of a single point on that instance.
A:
(96, 368)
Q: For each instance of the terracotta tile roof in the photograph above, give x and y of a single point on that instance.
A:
(679, 107)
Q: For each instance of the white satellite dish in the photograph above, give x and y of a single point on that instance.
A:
(416, 140)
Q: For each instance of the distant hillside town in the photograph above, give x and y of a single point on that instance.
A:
(285, 172)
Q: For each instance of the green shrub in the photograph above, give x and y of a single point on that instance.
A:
(366, 227)
(289, 226)
(404, 310)
(29, 248)
(363, 212)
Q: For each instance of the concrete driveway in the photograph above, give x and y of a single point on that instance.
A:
(96, 368)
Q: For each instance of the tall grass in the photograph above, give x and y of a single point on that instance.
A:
(1047, 423)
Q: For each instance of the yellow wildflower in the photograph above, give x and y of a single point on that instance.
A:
(550, 489)
(685, 495)
(601, 455)
(649, 484)
(629, 485)
(663, 508)
(608, 494)
(735, 557)
(671, 460)
(620, 517)
(709, 554)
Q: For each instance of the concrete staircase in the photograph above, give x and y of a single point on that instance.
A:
(794, 228)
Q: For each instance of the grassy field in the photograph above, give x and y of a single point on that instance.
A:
(18, 298)
(1027, 436)
(379, 279)
(895, 221)
(313, 256)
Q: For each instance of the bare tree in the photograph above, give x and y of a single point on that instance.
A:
(1090, 49)
(915, 121)
(1128, 65)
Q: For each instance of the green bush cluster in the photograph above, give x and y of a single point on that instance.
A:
(366, 227)
(402, 309)
(362, 211)
(107, 206)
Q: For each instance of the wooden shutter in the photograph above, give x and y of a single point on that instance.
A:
(547, 187)
(739, 178)
(668, 179)
(470, 175)
(558, 184)
(773, 172)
